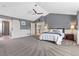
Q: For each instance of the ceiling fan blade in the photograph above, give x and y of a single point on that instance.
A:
(34, 11)
(39, 13)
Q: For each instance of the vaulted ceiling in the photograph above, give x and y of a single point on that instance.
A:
(24, 10)
(69, 8)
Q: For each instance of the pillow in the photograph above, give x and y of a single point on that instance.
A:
(51, 30)
(56, 30)
(60, 30)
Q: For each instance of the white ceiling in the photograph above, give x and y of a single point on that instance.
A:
(25, 9)
(21, 10)
(70, 8)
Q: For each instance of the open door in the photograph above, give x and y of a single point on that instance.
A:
(5, 28)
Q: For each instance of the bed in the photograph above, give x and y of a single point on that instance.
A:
(56, 35)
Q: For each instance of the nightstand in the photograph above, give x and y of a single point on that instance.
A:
(69, 37)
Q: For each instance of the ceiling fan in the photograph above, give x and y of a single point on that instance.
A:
(37, 12)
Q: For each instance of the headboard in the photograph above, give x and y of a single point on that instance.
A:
(62, 29)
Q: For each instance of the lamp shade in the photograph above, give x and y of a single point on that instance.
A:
(72, 27)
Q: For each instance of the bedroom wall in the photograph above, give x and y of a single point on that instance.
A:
(17, 32)
(16, 29)
(62, 21)
(59, 20)
(1, 19)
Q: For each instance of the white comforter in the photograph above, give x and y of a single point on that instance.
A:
(52, 37)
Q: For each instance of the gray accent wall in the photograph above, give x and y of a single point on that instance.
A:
(59, 20)
(25, 26)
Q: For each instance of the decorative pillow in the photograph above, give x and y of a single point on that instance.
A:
(51, 30)
(56, 30)
(60, 30)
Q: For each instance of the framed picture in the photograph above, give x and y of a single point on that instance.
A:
(24, 24)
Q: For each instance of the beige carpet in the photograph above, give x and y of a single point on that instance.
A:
(29, 46)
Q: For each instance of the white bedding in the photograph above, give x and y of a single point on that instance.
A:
(57, 37)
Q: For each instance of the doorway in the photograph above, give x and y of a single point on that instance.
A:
(5, 28)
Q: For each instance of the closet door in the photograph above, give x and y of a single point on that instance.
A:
(42, 27)
(38, 28)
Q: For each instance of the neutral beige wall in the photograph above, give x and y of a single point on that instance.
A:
(17, 32)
